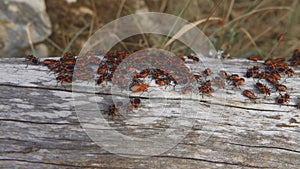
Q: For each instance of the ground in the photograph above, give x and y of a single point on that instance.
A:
(247, 27)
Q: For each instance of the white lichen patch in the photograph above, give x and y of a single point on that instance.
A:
(25, 106)
(35, 94)
(16, 100)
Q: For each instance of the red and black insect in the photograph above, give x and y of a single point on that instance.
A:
(207, 72)
(47, 62)
(32, 59)
(281, 88)
(252, 72)
(234, 77)
(135, 102)
(239, 82)
(263, 88)
(272, 80)
(253, 58)
(194, 58)
(139, 87)
(143, 74)
(113, 110)
(181, 57)
(64, 77)
(276, 75)
(282, 99)
(263, 74)
(206, 88)
(102, 69)
(289, 72)
(249, 94)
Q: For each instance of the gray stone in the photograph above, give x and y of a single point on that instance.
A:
(20, 19)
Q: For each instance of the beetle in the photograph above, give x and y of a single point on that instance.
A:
(253, 58)
(239, 82)
(195, 58)
(139, 87)
(249, 94)
(282, 99)
(207, 71)
(135, 102)
(281, 88)
(32, 59)
(263, 88)
(234, 77)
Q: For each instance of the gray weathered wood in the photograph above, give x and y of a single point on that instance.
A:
(40, 128)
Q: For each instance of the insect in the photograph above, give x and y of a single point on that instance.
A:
(281, 88)
(181, 57)
(135, 102)
(271, 66)
(250, 73)
(143, 73)
(289, 72)
(253, 58)
(32, 59)
(66, 69)
(64, 78)
(263, 88)
(162, 82)
(278, 60)
(276, 75)
(139, 87)
(47, 62)
(249, 94)
(272, 80)
(234, 77)
(102, 78)
(205, 89)
(102, 69)
(268, 61)
(263, 74)
(239, 82)
(113, 110)
(282, 99)
(193, 58)
(207, 71)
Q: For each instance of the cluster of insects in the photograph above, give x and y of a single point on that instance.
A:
(113, 110)
(274, 72)
(268, 76)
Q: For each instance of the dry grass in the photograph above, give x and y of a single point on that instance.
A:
(240, 28)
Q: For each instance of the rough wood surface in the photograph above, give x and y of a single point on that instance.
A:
(40, 128)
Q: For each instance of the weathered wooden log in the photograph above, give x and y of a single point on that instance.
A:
(40, 126)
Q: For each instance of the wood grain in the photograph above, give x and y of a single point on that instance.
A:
(40, 127)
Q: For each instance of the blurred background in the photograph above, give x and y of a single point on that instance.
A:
(240, 28)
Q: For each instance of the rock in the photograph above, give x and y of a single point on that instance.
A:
(20, 19)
